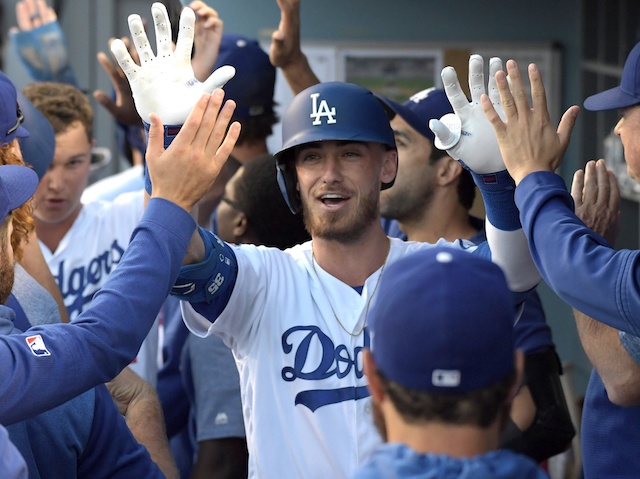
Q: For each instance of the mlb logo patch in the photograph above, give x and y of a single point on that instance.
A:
(36, 344)
(446, 378)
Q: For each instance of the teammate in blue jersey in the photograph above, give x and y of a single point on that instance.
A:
(580, 264)
(36, 365)
(439, 408)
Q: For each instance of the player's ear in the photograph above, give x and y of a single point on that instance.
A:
(448, 170)
(370, 371)
(389, 166)
(240, 224)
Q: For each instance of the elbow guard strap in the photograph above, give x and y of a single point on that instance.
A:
(215, 276)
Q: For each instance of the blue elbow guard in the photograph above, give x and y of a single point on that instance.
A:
(213, 277)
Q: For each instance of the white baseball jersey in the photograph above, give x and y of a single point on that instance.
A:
(305, 401)
(89, 251)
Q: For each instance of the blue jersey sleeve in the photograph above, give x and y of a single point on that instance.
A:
(578, 264)
(36, 366)
(111, 450)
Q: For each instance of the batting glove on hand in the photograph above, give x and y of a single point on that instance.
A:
(164, 83)
(466, 134)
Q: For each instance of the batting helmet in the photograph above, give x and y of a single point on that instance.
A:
(331, 111)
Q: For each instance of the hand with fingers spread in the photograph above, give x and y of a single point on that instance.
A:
(285, 52)
(40, 44)
(164, 83)
(466, 134)
(528, 141)
(186, 170)
(207, 38)
(596, 196)
(123, 108)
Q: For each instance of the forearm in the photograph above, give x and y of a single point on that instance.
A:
(103, 340)
(603, 286)
(506, 239)
(299, 74)
(145, 420)
(620, 374)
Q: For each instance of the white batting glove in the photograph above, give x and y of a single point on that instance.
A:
(467, 135)
(164, 83)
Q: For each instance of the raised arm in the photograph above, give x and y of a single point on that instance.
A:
(577, 263)
(468, 137)
(285, 52)
(106, 337)
(40, 44)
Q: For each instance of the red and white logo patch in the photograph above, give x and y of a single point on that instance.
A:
(37, 346)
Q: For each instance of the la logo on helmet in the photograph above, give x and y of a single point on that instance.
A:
(321, 110)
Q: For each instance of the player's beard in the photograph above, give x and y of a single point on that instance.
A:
(6, 272)
(340, 226)
(402, 204)
(378, 420)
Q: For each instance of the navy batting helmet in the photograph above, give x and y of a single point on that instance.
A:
(331, 111)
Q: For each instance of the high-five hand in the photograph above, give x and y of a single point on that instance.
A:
(528, 141)
(164, 83)
(466, 134)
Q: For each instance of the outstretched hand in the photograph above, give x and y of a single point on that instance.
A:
(164, 84)
(123, 109)
(32, 14)
(285, 41)
(596, 196)
(186, 170)
(528, 141)
(207, 38)
(466, 134)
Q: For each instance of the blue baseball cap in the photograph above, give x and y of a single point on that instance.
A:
(627, 94)
(253, 85)
(17, 185)
(11, 116)
(443, 322)
(425, 105)
(39, 147)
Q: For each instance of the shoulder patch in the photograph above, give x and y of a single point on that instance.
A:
(37, 346)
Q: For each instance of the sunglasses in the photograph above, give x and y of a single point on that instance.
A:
(19, 121)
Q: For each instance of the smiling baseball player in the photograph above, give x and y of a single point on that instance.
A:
(296, 320)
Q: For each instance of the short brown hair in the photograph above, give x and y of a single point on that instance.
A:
(478, 408)
(62, 105)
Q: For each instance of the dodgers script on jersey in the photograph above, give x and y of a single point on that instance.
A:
(306, 405)
(90, 251)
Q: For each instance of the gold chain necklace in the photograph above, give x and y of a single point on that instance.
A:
(364, 323)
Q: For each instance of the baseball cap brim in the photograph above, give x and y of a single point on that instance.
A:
(407, 115)
(611, 99)
(19, 183)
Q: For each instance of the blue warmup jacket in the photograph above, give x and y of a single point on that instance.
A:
(397, 461)
(579, 265)
(583, 269)
(48, 365)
